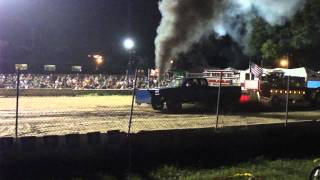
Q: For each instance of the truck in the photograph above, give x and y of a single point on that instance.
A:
(187, 90)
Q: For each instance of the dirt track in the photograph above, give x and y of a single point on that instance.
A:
(62, 115)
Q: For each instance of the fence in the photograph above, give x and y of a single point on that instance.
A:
(59, 111)
(71, 122)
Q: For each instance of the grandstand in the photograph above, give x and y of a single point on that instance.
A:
(73, 81)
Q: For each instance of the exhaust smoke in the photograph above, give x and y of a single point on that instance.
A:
(185, 22)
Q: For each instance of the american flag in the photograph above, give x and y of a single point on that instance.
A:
(256, 70)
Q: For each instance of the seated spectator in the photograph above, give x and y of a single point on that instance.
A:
(74, 81)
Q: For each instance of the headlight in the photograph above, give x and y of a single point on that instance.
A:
(156, 92)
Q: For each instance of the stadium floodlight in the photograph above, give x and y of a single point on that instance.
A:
(128, 44)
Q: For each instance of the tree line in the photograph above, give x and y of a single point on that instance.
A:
(298, 40)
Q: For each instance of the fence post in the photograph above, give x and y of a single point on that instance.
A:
(17, 102)
(132, 103)
(287, 101)
(218, 101)
(149, 78)
(130, 123)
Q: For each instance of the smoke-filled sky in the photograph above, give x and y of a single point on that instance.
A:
(185, 22)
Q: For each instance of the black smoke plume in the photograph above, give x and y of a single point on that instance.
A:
(185, 22)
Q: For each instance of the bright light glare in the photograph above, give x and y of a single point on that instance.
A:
(96, 56)
(99, 61)
(284, 63)
(128, 44)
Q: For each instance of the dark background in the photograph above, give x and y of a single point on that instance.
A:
(63, 32)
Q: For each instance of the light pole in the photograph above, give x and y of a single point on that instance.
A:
(98, 60)
(284, 62)
(129, 45)
(169, 73)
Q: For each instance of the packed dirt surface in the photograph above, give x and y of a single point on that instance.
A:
(39, 116)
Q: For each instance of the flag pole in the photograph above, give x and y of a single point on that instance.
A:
(250, 65)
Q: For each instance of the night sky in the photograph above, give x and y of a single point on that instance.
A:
(66, 31)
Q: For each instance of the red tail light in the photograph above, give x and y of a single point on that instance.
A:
(244, 99)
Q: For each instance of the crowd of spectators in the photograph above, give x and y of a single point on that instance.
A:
(74, 81)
